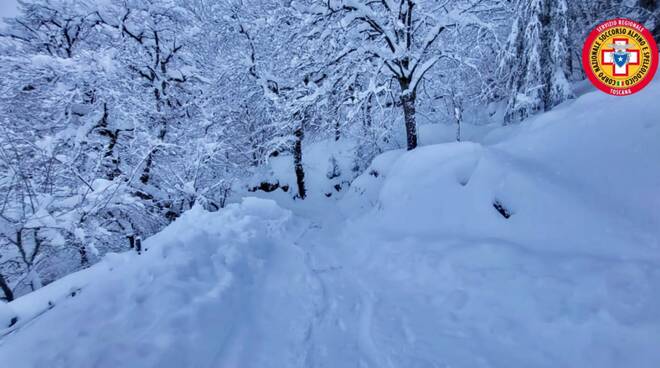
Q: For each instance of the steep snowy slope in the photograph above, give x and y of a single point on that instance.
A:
(537, 247)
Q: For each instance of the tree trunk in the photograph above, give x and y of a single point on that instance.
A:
(138, 244)
(297, 161)
(84, 258)
(109, 162)
(367, 113)
(458, 114)
(9, 294)
(146, 172)
(408, 103)
(458, 131)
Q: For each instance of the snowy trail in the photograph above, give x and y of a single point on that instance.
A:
(274, 317)
(340, 333)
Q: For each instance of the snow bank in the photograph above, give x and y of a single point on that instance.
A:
(538, 247)
(7, 316)
(198, 297)
(576, 179)
(363, 193)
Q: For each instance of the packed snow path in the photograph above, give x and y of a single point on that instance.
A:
(415, 267)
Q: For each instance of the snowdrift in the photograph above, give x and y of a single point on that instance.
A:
(198, 297)
(582, 178)
(538, 247)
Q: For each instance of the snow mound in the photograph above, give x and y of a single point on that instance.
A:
(7, 316)
(581, 178)
(198, 297)
(539, 247)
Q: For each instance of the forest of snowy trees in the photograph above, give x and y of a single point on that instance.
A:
(118, 116)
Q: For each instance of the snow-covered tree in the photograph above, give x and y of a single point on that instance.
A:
(117, 116)
(535, 60)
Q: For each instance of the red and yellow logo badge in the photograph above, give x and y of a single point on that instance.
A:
(620, 57)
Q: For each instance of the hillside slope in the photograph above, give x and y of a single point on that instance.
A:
(537, 247)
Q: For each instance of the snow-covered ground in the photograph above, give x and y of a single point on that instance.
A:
(414, 266)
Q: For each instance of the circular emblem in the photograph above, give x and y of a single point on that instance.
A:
(620, 57)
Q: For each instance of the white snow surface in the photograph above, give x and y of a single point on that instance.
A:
(413, 267)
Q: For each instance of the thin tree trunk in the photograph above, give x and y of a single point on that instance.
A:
(146, 172)
(110, 162)
(9, 294)
(458, 114)
(408, 103)
(84, 259)
(367, 112)
(297, 161)
(458, 131)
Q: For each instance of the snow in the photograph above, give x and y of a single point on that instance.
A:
(318, 161)
(205, 280)
(7, 315)
(413, 267)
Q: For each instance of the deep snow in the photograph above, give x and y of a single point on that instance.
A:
(413, 267)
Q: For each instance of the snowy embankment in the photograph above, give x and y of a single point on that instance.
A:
(208, 292)
(537, 247)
